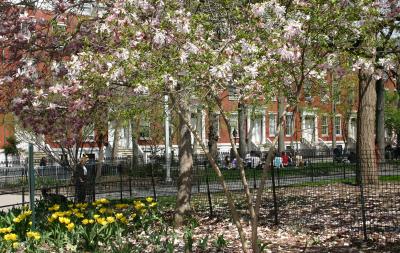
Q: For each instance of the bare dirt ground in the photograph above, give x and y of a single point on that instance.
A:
(317, 219)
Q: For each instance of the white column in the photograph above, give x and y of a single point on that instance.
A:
(263, 127)
(167, 137)
(316, 127)
(203, 126)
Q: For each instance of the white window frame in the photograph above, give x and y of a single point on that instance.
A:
(232, 93)
(269, 124)
(260, 117)
(324, 123)
(291, 122)
(232, 117)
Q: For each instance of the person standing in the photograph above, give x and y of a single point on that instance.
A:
(80, 179)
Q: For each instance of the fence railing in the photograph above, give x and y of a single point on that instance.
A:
(321, 193)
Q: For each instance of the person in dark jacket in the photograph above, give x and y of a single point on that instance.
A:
(81, 179)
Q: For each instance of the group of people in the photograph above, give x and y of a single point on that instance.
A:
(282, 160)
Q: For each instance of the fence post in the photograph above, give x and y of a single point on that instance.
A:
(274, 196)
(344, 171)
(198, 177)
(254, 177)
(32, 186)
(130, 186)
(153, 183)
(94, 185)
(119, 167)
(208, 190)
(362, 198)
(23, 196)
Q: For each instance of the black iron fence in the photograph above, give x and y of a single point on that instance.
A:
(352, 197)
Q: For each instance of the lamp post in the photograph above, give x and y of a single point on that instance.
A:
(167, 139)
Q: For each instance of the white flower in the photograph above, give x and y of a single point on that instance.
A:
(160, 38)
(247, 47)
(222, 71)
(191, 48)
(251, 71)
(143, 90)
(183, 57)
(292, 29)
(258, 9)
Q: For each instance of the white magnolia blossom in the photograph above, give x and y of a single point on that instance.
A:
(387, 64)
(223, 71)
(292, 29)
(122, 54)
(182, 24)
(288, 54)
(117, 74)
(170, 81)
(191, 48)
(258, 9)
(251, 71)
(141, 90)
(160, 38)
(317, 75)
(183, 56)
(248, 47)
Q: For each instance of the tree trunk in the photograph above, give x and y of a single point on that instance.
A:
(185, 166)
(368, 169)
(117, 133)
(213, 119)
(398, 108)
(213, 164)
(100, 161)
(281, 140)
(242, 118)
(380, 118)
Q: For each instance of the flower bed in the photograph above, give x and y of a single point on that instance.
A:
(75, 227)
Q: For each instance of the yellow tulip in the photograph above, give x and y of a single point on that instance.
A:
(149, 199)
(96, 216)
(119, 215)
(15, 245)
(10, 237)
(85, 221)
(154, 204)
(70, 226)
(17, 220)
(124, 220)
(34, 235)
(110, 219)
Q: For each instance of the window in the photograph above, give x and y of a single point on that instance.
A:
(144, 130)
(338, 125)
(233, 95)
(233, 122)
(289, 129)
(256, 133)
(272, 124)
(324, 125)
(308, 92)
(61, 26)
(353, 128)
